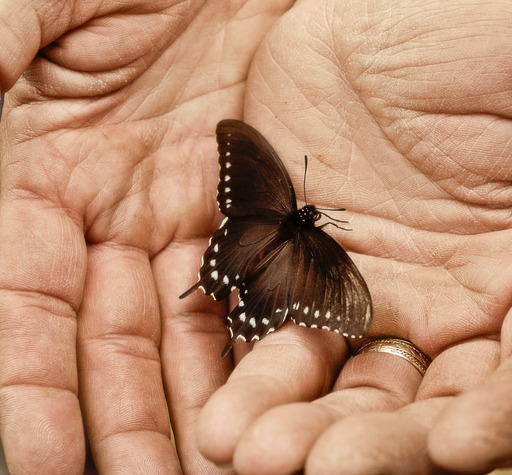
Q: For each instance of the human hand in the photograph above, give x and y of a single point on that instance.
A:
(406, 109)
(106, 174)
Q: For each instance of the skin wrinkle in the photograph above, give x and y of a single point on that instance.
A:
(387, 137)
(135, 346)
(18, 290)
(437, 150)
(7, 386)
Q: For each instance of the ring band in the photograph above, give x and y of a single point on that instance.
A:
(397, 347)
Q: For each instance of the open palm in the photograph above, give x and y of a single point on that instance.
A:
(407, 125)
(109, 173)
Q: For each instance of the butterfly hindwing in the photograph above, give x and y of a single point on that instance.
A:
(309, 278)
(230, 254)
(253, 180)
(330, 292)
(263, 299)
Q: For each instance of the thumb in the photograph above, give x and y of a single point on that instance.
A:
(26, 27)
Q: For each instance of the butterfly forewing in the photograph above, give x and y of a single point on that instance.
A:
(253, 180)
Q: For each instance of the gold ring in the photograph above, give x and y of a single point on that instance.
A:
(397, 347)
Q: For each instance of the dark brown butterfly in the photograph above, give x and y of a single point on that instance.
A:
(283, 265)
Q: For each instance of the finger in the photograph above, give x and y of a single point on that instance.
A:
(397, 442)
(45, 20)
(42, 269)
(280, 440)
(386, 442)
(474, 433)
(193, 335)
(121, 389)
(78, 49)
(293, 364)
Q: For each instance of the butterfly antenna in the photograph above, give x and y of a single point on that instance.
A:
(333, 220)
(305, 173)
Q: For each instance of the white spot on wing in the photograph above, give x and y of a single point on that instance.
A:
(225, 280)
(265, 321)
(252, 322)
(213, 262)
(241, 303)
(214, 275)
(216, 248)
(241, 317)
(227, 177)
(306, 310)
(317, 313)
(328, 315)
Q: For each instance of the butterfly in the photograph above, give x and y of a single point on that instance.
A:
(283, 265)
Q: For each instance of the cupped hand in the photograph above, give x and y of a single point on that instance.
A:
(405, 113)
(107, 172)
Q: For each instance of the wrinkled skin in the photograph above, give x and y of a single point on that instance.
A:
(107, 200)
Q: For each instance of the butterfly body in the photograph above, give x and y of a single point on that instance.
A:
(282, 264)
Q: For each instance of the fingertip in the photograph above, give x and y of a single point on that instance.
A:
(41, 427)
(371, 443)
(216, 434)
(17, 49)
(279, 440)
(473, 434)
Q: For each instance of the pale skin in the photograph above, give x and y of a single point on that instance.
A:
(107, 200)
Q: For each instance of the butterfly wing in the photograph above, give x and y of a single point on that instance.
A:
(255, 193)
(233, 250)
(329, 291)
(253, 180)
(263, 299)
(309, 278)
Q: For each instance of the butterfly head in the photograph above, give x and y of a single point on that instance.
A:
(307, 215)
